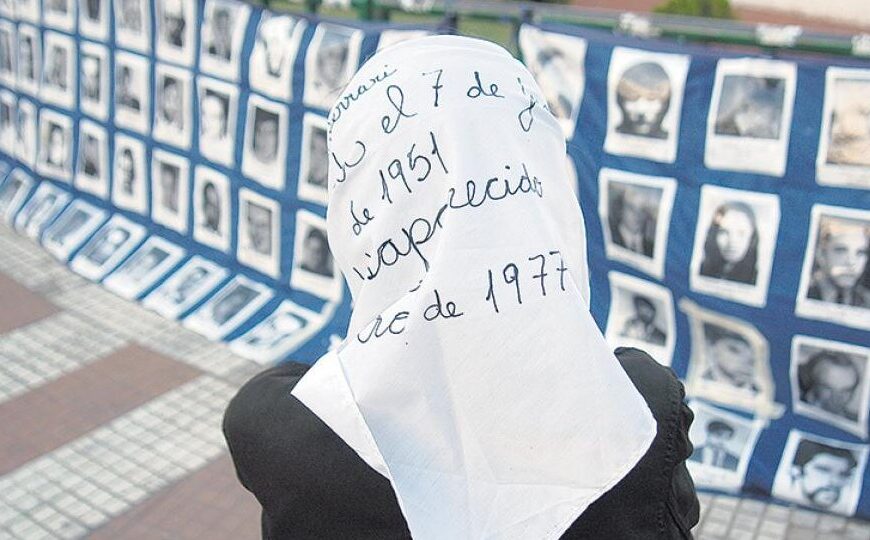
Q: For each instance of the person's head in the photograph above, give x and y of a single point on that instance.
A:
(265, 136)
(644, 308)
(821, 472)
(58, 65)
(315, 251)
(828, 380)
(169, 186)
(331, 62)
(274, 34)
(259, 228)
(643, 94)
(173, 19)
(56, 145)
(630, 211)
(214, 117)
(90, 149)
(126, 168)
(850, 118)
(90, 72)
(735, 231)
(125, 77)
(731, 355)
(842, 251)
(211, 204)
(171, 100)
(25, 56)
(718, 434)
(759, 109)
(318, 159)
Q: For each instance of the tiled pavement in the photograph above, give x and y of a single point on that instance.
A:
(110, 421)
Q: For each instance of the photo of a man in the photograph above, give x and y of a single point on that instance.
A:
(213, 118)
(642, 324)
(839, 274)
(26, 57)
(258, 228)
(730, 358)
(172, 22)
(632, 217)
(169, 176)
(125, 171)
(170, 104)
(264, 142)
(316, 256)
(91, 85)
(211, 207)
(56, 154)
(714, 450)
(218, 33)
(751, 107)
(57, 64)
(643, 95)
(126, 90)
(55, 145)
(89, 160)
(318, 161)
(330, 61)
(829, 380)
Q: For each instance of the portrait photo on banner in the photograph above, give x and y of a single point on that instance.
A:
(144, 268)
(8, 110)
(55, 145)
(749, 121)
(185, 287)
(29, 60)
(107, 247)
(641, 315)
(59, 70)
(644, 103)
(264, 157)
(557, 62)
(228, 308)
(723, 444)
(25, 132)
(132, 24)
(830, 382)
(276, 46)
(314, 270)
(331, 59)
(259, 230)
(835, 279)
(170, 190)
(8, 67)
(129, 176)
(28, 10)
(279, 334)
(314, 161)
(735, 239)
(94, 19)
(59, 14)
(844, 141)
(132, 92)
(93, 172)
(218, 111)
(94, 80)
(176, 31)
(13, 193)
(211, 208)
(71, 228)
(635, 214)
(822, 473)
(221, 37)
(173, 118)
(45, 203)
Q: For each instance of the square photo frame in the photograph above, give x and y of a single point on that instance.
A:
(144, 268)
(71, 228)
(211, 208)
(25, 132)
(844, 147)
(46, 203)
(186, 287)
(264, 156)
(130, 174)
(29, 60)
(13, 193)
(641, 315)
(314, 160)
(8, 58)
(176, 31)
(132, 92)
(109, 246)
(227, 309)
(94, 19)
(218, 114)
(314, 270)
(279, 334)
(276, 45)
(133, 24)
(331, 60)
(94, 90)
(259, 229)
(173, 119)
(8, 114)
(93, 172)
(221, 37)
(59, 70)
(170, 190)
(55, 145)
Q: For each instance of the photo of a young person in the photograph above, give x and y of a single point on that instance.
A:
(92, 175)
(735, 240)
(279, 334)
(170, 185)
(13, 193)
(55, 145)
(265, 149)
(94, 80)
(835, 280)
(132, 92)
(645, 97)
(557, 62)
(72, 228)
(108, 247)
(172, 115)
(218, 113)
(144, 268)
(186, 287)
(25, 132)
(59, 69)
(314, 269)
(844, 141)
(636, 211)
(133, 24)
(211, 208)
(94, 19)
(222, 32)
(330, 61)
(176, 23)
(47, 202)
(29, 59)
(821, 473)
(749, 122)
(641, 315)
(129, 178)
(259, 232)
(232, 305)
(314, 163)
(274, 54)
(59, 14)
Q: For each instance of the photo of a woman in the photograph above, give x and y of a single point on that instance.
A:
(731, 245)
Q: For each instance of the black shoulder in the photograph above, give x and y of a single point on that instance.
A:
(658, 384)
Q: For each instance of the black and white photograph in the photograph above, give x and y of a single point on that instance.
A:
(72, 228)
(7, 53)
(59, 70)
(835, 279)
(218, 113)
(29, 59)
(279, 334)
(274, 55)
(176, 27)
(13, 193)
(314, 163)
(28, 10)
(8, 106)
(821, 473)
(172, 113)
(644, 103)
(211, 208)
(844, 141)
(144, 268)
(25, 132)
(132, 92)
(47, 202)
(94, 19)
(723, 444)
(170, 190)
(557, 62)
(635, 213)
(221, 37)
(185, 287)
(830, 382)
(60, 14)
(264, 155)
(55, 145)
(331, 60)
(749, 122)
(730, 362)
(130, 174)
(232, 305)
(735, 239)
(391, 37)
(94, 80)
(133, 24)
(93, 172)
(259, 229)
(641, 315)
(7, 8)
(107, 247)
(314, 270)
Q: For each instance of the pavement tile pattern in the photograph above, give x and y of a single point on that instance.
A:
(111, 418)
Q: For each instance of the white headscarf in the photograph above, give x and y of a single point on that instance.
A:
(508, 418)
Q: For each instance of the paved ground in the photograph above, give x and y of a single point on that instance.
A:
(111, 415)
